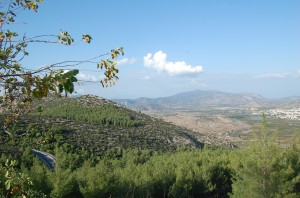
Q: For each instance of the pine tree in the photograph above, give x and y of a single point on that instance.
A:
(257, 173)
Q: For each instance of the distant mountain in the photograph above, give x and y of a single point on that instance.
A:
(288, 102)
(193, 99)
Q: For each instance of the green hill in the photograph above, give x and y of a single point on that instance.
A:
(95, 124)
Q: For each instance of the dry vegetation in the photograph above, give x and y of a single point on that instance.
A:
(218, 125)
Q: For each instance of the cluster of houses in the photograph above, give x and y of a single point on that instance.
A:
(293, 114)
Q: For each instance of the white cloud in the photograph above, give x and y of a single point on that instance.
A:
(87, 77)
(275, 75)
(295, 74)
(127, 61)
(159, 62)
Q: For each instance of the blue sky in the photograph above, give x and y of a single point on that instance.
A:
(175, 46)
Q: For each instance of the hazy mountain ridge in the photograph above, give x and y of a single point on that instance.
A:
(198, 98)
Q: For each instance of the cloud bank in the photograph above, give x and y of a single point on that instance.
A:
(87, 77)
(127, 61)
(279, 75)
(159, 62)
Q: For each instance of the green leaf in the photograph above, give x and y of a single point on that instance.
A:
(7, 184)
(60, 88)
(73, 79)
(39, 109)
(86, 38)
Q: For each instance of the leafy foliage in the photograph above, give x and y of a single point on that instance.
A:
(13, 182)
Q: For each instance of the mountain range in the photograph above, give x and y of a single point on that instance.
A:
(199, 98)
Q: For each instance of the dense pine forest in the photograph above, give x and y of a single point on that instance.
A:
(122, 153)
(263, 170)
(105, 115)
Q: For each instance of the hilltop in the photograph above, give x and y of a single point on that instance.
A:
(96, 124)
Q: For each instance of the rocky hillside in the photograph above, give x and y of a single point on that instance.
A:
(96, 124)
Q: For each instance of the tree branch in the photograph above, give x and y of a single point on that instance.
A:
(55, 65)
